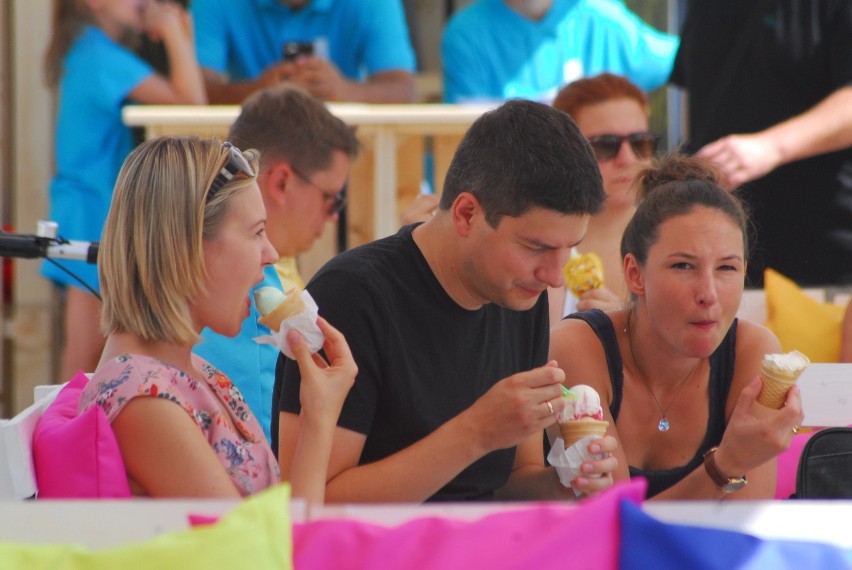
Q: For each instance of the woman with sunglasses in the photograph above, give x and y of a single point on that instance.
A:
(183, 429)
(677, 372)
(613, 114)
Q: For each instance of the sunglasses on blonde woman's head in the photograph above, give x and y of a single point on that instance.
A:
(643, 143)
(235, 165)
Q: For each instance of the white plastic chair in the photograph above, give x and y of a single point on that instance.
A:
(17, 474)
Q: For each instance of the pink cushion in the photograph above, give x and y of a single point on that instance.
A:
(541, 536)
(788, 466)
(77, 457)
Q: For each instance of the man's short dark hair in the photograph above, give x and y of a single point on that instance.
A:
(524, 155)
(287, 123)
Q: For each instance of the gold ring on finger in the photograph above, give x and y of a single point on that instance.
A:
(550, 407)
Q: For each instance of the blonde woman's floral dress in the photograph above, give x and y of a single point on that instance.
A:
(213, 403)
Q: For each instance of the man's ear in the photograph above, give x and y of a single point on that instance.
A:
(466, 211)
(633, 276)
(277, 182)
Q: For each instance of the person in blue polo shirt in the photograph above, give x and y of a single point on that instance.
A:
(345, 50)
(305, 153)
(494, 50)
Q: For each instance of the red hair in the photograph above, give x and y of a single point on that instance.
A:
(592, 90)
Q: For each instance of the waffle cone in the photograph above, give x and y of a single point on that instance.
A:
(576, 430)
(775, 387)
(290, 306)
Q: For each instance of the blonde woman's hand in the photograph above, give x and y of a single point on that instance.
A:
(325, 383)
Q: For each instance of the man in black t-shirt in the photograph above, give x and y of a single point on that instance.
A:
(449, 327)
(781, 71)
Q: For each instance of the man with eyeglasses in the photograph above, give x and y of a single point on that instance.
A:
(305, 153)
(338, 50)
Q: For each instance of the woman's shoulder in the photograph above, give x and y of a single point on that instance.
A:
(580, 327)
(574, 342)
(119, 380)
(754, 338)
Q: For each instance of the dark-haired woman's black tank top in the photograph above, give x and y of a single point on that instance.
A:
(721, 376)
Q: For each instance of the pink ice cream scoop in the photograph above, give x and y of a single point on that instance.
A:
(581, 401)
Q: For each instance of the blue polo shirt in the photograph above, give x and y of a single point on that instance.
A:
(91, 141)
(492, 53)
(244, 37)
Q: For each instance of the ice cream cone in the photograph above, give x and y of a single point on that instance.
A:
(574, 431)
(290, 306)
(583, 273)
(779, 372)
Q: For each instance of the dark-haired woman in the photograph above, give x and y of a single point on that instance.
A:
(676, 371)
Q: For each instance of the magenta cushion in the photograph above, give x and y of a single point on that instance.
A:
(538, 536)
(788, 466)
(77, 457)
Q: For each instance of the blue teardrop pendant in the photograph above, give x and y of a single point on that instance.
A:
(663, 425)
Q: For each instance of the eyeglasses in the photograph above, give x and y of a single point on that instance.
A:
(643, 143)
(236, 164)
(334, 201)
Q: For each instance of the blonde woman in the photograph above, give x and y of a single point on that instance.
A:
(184, 241)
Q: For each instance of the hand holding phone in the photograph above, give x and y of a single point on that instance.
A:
(294, 50)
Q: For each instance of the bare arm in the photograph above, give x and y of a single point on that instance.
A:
(221, 91)
(323, 390)
(168, 22)
(509, 413)
(754, 434)
(825, 127)
(531, 480)
(752, 440)
(166, 454)
(574, 346)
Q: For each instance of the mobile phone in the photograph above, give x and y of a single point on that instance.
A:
(294, 50)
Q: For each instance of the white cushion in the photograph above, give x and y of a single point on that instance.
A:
(17, 476)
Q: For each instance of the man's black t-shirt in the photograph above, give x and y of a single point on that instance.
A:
(422, 359)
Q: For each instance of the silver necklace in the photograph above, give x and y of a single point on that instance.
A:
(664, 424)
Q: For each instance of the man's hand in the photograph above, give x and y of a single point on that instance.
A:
(517, 407)
(320, 78)
(742, 158)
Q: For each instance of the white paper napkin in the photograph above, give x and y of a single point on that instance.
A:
(568, 461)
(305, 322)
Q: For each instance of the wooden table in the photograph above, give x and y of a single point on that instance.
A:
(386, 176)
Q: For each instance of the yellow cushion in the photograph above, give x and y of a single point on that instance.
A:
(255, 534)
(800, 322)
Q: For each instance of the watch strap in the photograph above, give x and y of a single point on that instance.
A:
(724, 483)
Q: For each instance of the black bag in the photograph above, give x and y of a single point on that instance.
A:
(825, 467)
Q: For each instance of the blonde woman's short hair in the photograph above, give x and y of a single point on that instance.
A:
(151, 258)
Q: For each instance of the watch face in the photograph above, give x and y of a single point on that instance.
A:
(734, 485)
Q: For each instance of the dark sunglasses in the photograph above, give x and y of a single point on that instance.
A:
(236, 164)
(334, 201)
(643, 143)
